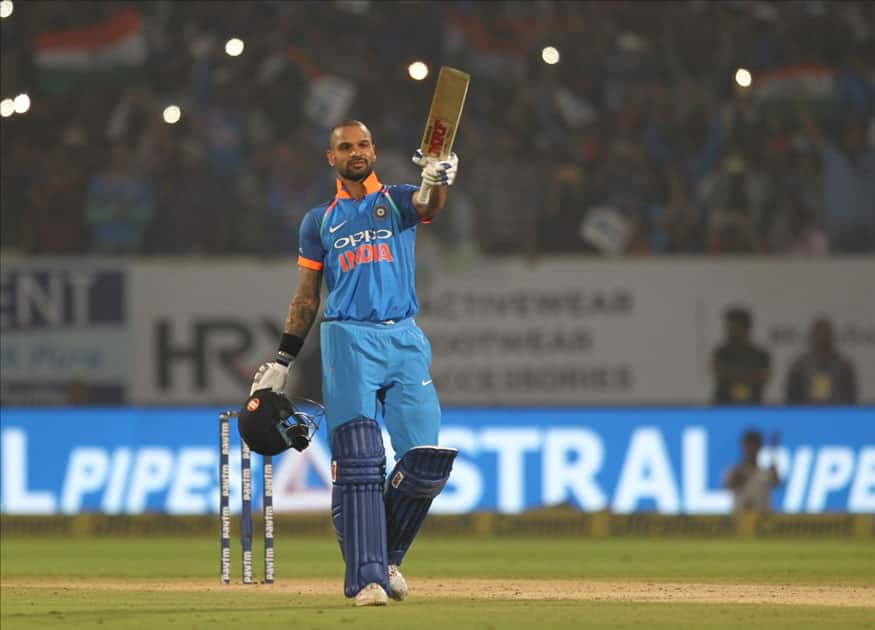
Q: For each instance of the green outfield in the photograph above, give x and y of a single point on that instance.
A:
(164, 582)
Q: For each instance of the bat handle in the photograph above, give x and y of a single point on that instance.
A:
(423, 194)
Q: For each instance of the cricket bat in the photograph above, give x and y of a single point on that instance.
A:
(443, 119)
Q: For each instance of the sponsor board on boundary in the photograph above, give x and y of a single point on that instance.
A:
(633, 332)
(670, 461)
(201, 330)
(558, 522)
(65, 332)
(563, 332)
(507, 333)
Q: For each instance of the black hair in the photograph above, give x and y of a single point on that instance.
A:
(739, 314)
(752, 435)
(352, 122)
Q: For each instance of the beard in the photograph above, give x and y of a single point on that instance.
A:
(357, 174)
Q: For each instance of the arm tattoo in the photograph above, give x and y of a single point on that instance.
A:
(305, 304)
(302, 314)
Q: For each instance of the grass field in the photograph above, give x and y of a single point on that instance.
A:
(458, 583)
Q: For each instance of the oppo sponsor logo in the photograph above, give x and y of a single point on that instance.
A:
(365, 248)
(365, 236)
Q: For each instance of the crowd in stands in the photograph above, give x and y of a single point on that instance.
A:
(639, 141)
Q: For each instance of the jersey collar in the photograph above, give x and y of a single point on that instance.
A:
(372, 185)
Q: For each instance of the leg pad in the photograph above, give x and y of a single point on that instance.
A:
(358, 470)
(418, 477)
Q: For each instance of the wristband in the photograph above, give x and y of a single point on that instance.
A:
(290, 345)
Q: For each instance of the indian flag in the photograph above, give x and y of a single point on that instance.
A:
(776, 92)
(111, 50)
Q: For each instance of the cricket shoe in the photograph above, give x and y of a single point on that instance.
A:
(371, 595)
(397, 584)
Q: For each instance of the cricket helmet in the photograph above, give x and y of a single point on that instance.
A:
(271, 423)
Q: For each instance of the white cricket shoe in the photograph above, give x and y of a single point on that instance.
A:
(371, 595)
(397, 584)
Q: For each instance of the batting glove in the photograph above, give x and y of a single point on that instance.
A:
(421, 160)
(271, 375)
(437, 172)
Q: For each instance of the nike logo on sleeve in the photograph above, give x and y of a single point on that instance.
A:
(334, 228)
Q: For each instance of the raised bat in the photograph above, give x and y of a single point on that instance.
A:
(443, 119)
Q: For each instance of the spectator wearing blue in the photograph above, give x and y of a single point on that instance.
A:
(119, 207)
(848, 182)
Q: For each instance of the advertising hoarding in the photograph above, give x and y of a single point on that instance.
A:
(65, 335)
(130, 460)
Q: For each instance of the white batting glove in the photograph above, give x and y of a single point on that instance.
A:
(271, 375)
(437, 172)
(421, 160)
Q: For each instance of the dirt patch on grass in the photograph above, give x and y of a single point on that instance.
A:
(492, 589)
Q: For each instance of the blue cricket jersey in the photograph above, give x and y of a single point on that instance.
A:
(365, 250)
